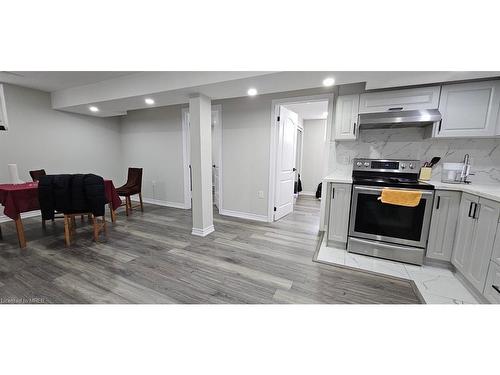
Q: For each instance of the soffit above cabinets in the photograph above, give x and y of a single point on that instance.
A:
(3, 111)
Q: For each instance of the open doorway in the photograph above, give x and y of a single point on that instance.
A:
(216, 156)
(299, 151)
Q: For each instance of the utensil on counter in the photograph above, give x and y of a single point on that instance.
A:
(433, 161)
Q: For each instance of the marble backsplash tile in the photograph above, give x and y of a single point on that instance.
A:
(410, 143)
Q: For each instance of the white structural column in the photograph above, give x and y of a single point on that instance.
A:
(200, 124)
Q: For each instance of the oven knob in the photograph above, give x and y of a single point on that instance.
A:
(359, 164)
(411, 166)
(367, 164)
(403, 165)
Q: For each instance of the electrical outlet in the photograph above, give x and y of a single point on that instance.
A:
(260, 194)
(347, 159)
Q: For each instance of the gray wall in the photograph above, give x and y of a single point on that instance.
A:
(246, 138)
(60, 142)
(312, 154)
(152, 139)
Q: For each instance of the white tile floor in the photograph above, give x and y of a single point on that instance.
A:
(437, 285)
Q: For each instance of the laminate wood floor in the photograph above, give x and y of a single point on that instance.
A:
(153, 258)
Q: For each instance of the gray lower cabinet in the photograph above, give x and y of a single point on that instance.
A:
(340, 206)
(486, 216)
(477, 226)
(492, 285)
(495, 257)
(465, 231)
(443, 224)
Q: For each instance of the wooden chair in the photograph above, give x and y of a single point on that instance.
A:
(35, 175)
(70, 226)
(133, 186)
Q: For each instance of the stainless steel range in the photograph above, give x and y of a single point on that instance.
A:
(386, 230)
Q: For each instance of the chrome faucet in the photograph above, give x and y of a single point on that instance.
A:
(465, 170)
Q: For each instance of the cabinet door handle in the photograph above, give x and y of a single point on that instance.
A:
(396, 109)
(477, 210)
(354, 129)
(440, 122)
(470, 209)
(437, 204)
(333, 193)
(496, 287)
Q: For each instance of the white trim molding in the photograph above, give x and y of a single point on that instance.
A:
(202, 232)
(161, 203)
(244, 215)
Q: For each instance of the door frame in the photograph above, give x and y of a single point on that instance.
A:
(186, 144)
(274, 145)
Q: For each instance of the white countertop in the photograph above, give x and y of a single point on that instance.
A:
(488, 191)
(338, 178)
(491, 191)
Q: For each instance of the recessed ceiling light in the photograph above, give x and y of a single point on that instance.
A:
(325, 114)
(149, 101)
(93, 108)
(328, 81)
(252, 91)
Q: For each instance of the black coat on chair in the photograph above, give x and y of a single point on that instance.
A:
(79, 193)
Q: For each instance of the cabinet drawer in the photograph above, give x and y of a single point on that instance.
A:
(492, 286)
(400, 100)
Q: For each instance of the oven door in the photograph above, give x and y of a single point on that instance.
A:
(372, 219)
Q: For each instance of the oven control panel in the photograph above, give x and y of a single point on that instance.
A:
(387, 165)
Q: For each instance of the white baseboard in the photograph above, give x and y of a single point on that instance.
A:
(202, 232)
(160, 202)
(243, 215)
(24, 215)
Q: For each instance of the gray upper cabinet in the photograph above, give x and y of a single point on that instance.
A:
(465, 231)
(340, 206)
(346, 117)
(469, 110)
(400, 100)
(486, 215)
(443, 224)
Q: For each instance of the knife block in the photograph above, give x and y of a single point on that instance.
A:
(425, 173)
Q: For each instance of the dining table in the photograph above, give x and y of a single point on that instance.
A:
(20, 198)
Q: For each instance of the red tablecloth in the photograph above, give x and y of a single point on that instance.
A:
(24, 197)
(111, 195)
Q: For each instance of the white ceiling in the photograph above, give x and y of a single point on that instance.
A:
(52, 81)
(115, 93)
(310, 110)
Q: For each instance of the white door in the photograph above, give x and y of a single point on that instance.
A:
(216, 157)
(285, 162)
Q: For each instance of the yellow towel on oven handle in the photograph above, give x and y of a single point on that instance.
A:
(407, 198)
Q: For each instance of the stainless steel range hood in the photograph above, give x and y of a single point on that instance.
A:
(399, 119)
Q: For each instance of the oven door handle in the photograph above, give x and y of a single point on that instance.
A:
(364, 188)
